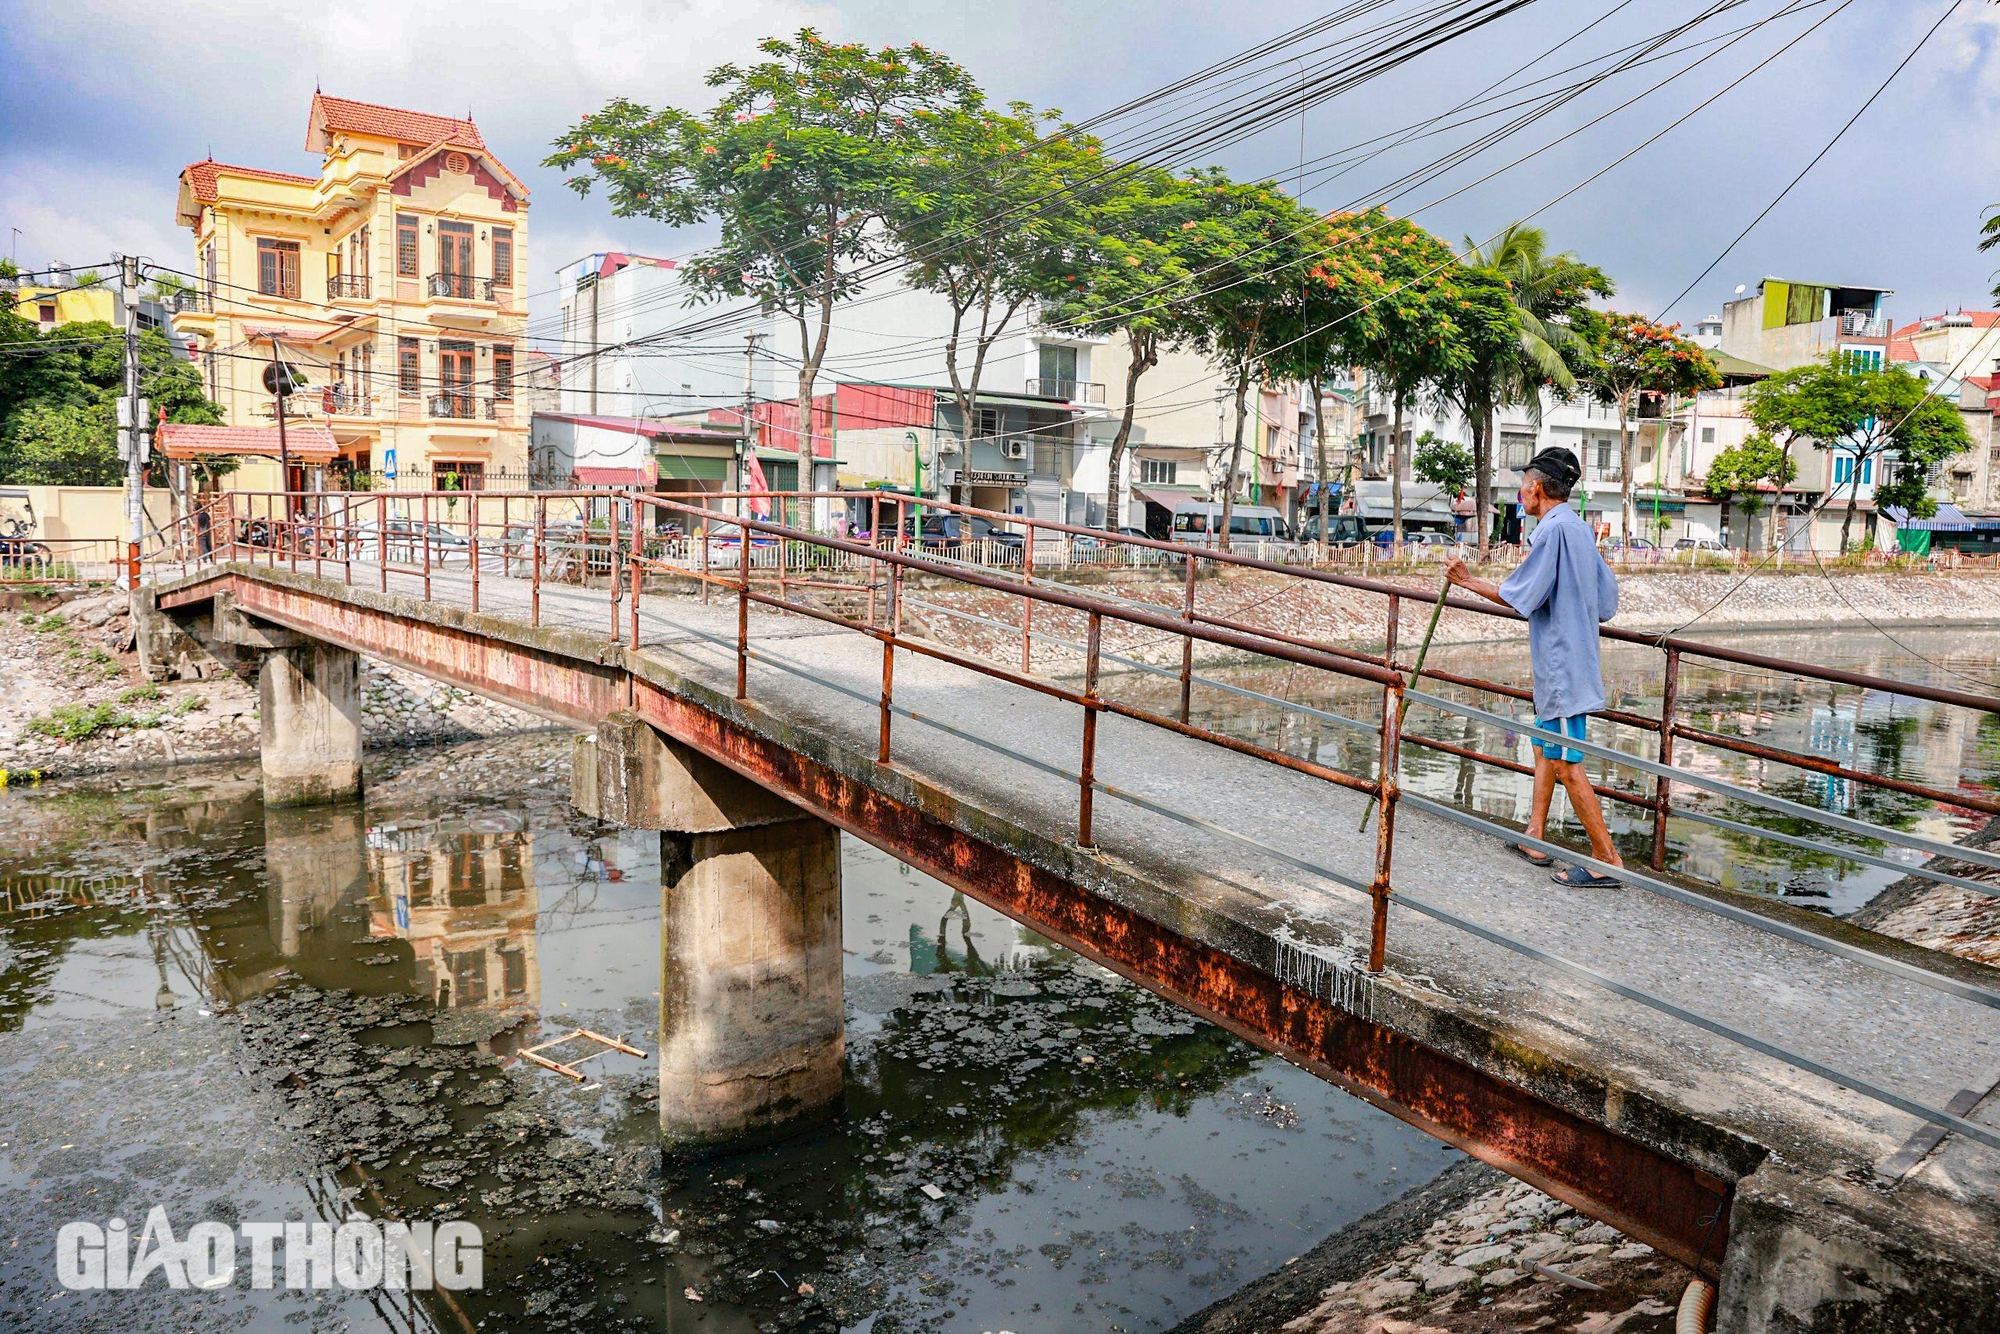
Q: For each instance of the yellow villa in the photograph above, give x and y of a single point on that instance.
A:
(393, 284)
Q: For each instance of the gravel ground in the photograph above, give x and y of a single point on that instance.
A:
(1471, 1253)
(76, 647)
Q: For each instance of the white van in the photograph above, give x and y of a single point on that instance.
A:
(1198, 523)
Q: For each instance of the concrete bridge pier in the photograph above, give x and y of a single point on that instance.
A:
(751, 1039)
(309, 707)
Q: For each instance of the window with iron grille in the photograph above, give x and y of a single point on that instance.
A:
(406, 246)
(1161, 472)
(409, 367)
(503, 256)
(503, 374)
(278, 268)
(1516, 448)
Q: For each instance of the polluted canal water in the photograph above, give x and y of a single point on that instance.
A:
(244, 1015)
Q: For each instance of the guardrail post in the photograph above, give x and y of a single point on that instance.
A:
(425, 507)
(1028, 604)
(638, 568)
(472, 546)
(742, 611)
(1187, 642)
(888, 686)
(1395, 623)
(382, 540)
(1662, 786)
(612, 584)
(707, 536)
(1087, 771)
(1386, 790)
(875, 541)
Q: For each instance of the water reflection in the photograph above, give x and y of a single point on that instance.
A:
(338, 999)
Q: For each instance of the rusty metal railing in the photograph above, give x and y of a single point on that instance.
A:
(617, 542)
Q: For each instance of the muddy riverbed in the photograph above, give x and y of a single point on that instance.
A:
(240, 1015)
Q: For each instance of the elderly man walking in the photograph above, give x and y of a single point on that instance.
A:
(1565, 590)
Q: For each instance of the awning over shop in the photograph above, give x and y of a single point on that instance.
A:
(308, 442)
(1948, 519)
(613, 477)
(1166, 500)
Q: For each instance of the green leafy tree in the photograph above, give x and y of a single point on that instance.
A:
(1740, 472)
(980, 164)
(1633, 357)
(1258, 251)
(1547, 293)
(1885, 416)
(59, 425)
(1383, 294)
(1133, 273)
(1445, 464)
(1817, 401)
(800, 162)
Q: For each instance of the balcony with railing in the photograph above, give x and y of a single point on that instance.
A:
(460, 287)
(348, 287)
(463, 407)
(188, 302)
(1075, 391)
(1862, 324)
(342, 400)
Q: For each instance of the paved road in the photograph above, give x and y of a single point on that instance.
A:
(1886, 1029)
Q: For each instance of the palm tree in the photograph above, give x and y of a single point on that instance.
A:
(1543, 351)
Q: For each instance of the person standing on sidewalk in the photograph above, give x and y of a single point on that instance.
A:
(1566, 591)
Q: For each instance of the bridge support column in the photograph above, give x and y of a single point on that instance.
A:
(751, 1038)
(309, 706)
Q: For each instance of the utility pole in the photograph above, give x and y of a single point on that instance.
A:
(134, 431)
(748, 440)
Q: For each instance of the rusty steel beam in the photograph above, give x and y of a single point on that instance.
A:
(1674, 1207)
(553, 685)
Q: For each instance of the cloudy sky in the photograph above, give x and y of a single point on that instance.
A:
(108, 99)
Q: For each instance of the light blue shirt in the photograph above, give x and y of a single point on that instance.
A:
(1566, 591)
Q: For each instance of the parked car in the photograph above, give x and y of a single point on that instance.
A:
(1089, 545)
(1698, 544)
(1417, 537)
(966, 537)
(1343, 530)
(405, 540)
(1199, 523)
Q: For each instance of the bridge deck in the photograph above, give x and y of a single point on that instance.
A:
(1442, 982)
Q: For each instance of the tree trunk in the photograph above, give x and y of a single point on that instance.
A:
(803, 482)
(1235, 454)
(1145, 352)
(1396, 472)
(1319, 463)
(1625, 515)
(1853, 499)
(1482, 477)
(1777, 502)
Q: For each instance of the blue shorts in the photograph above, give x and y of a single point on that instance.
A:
(1571, 727)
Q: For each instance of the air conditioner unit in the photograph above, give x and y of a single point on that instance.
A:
(947, 447)
(1014, 449)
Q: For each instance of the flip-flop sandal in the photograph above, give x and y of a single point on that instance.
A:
(1582, 877)
(1532, 856)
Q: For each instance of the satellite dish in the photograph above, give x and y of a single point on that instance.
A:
(293, 378)
(1739, 289)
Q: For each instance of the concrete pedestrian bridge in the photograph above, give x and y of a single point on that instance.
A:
(1787, 1102)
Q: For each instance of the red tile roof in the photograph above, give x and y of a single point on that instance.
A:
(417, 127)
(304, 440)
(200, 177)
(1977, 319)
(1902, 349)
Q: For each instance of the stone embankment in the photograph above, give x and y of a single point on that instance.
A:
(1472, 1253)
(73, 701)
